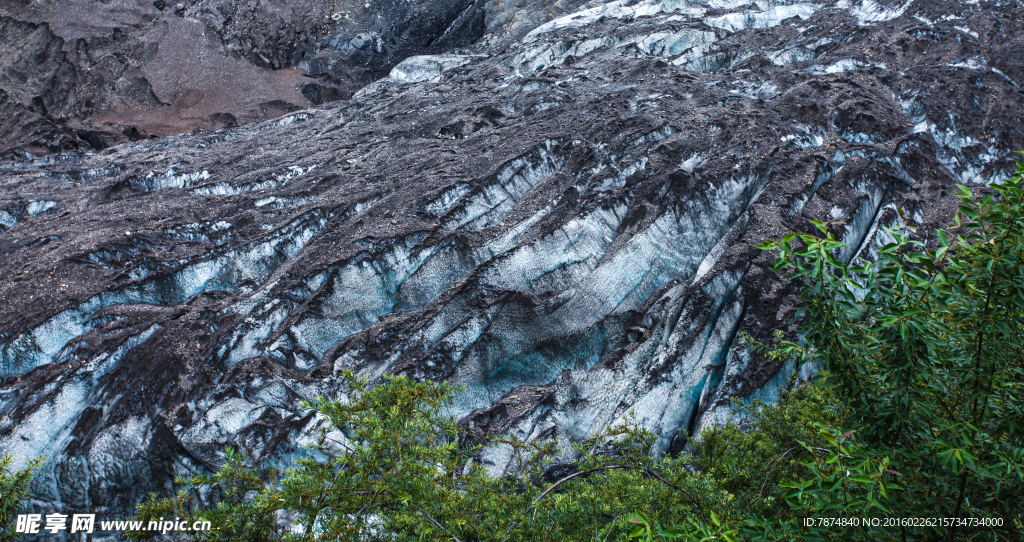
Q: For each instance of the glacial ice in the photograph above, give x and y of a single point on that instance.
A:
(811, 137)
(673, 246)
(789, 56)
(555, 54)
(7, 218)
(284, 202)
(1002, 74)
(426, 68)
(665, 383)
(694, 374)
(351, 297)
(115, 460)
(846, 64)
(629, 9)
(50, 422)
(491, 203)
(205, 232)
(170, 179)
(38, 207)
(860, 224)
(967, 31)
(744, 20)
(228, 189)
(218, 427)
(572, 250)
(254, 262)
(301, 116)
(444, 202)
(573, 334)
(869, 11)
(418, 69)
(653, 137)
(614, 183)
(953, 144)
(765, 91)
(692, 162)
(617, 9)
(689, 47)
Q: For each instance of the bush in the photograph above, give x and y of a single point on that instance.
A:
(14, 488)
(391, 468)
(926, 348)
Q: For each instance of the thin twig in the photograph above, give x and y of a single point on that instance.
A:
(570, 477)
(575, 474)
(338, 442)
(609, 531)
(438, 525)
(770, 467)
(673, 486)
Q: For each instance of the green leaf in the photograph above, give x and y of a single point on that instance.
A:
(669, 533)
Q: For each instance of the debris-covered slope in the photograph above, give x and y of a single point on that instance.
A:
(87, 74)
(565, 225)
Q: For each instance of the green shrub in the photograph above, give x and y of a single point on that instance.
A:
(400, 475)
(14, 488)
(927, 350)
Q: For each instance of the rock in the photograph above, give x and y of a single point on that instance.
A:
(245, 64)
(587, 247)
(105, 75)
(319, 94)
(224, 119)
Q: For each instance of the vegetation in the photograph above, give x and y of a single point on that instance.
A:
(918, 412)
(926, 349)
(14, 486)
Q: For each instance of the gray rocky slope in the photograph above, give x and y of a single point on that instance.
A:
(564, 223)
(88, 74)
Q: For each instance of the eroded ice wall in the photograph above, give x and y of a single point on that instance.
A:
(566, 227)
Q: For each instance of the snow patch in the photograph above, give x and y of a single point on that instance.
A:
(38, 207)
(745, 20)
(870, 11)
